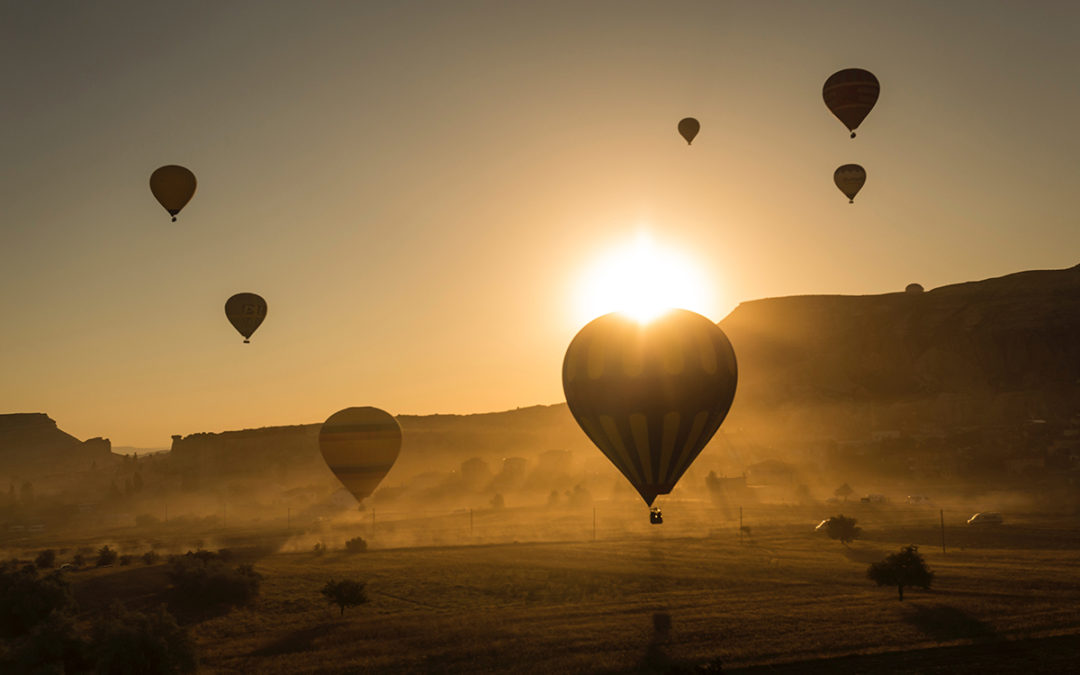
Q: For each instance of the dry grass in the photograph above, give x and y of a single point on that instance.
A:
(785, 595)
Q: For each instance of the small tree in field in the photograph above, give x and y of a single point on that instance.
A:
(843, 529)
(844, 491)
(906, 568)
(345, 593)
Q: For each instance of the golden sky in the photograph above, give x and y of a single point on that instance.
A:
(418, 189)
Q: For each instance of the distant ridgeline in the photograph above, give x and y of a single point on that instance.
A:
(999, 351)
(31, 443)
(430, 441)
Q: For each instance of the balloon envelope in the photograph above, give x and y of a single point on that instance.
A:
(173, 186)
(650, 396)
(245, 311)
(360, 445)
(689, 128)
(851, 94)
(850, 179)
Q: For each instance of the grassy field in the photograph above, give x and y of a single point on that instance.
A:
(782, 595)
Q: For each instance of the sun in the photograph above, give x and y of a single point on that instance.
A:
(642, 280)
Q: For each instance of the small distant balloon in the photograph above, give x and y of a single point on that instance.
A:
(850, 179)
(850, 94)
(913, 289)
(650, 396)
(360, 445)
(245, 311)
(689, 128)
(173, 186)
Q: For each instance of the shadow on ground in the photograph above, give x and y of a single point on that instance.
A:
(944, 623)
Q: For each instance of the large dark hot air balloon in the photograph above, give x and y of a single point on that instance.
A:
(851, 94)
(850, 179)
(689, 128)
(245, 311)
(360, 445)
(173, 186)
(650, 396)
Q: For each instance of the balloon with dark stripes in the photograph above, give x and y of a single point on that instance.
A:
(360, 445)
(651, 395)
(850, 94)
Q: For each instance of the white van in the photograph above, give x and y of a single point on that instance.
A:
(986, 518)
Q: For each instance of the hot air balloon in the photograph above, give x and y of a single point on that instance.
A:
(851, 94)
(689, 128)
(850, 179)
(173, 187)
(360, 445)
(651, 395)
(245, 311)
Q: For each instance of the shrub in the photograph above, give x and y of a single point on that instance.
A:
(106, 556)
(46, 558)
(126, 559)
(53, 646)
(151, 557)
(319, 549)
(27, 599)
(78, 560)
(133, 642)
(345, 593)
(203, 578)
(356, 545)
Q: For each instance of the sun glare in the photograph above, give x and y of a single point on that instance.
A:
(642, 279)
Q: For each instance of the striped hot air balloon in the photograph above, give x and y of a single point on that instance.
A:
(360, 445)
(850, 94)
(650, 396)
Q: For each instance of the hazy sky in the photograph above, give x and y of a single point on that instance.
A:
(419, 188)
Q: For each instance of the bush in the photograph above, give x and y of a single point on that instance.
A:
(126, 560)
(27, 599)
(53, 646)
(105, 556)
(151, 557)
(356, 545)
(319, 549)
(203, 578)
(45, 559)
(345, 593)
(843, 529)
(133, 642)
(78, 560)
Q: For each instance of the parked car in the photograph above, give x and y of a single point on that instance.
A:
(874, 499)
(986, 518)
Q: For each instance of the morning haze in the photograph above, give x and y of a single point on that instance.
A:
(413, 209)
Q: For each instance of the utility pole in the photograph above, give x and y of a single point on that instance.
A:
(288, 518)
(942, 512)
(166, 513)
(470, 522)
(740, 524)
(373, 520)
(594, 523)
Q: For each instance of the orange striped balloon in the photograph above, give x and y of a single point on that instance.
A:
(650, 396)
(360, 445)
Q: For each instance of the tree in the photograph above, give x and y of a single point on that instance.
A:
(906, 568)
(843, 529)
(133, 642)
(844, 491)
(345, 593)
(356, 545)
(27, 599)
(46, 558)
(106, 556)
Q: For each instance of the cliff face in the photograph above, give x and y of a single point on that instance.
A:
(999, 349)
(32, 443)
